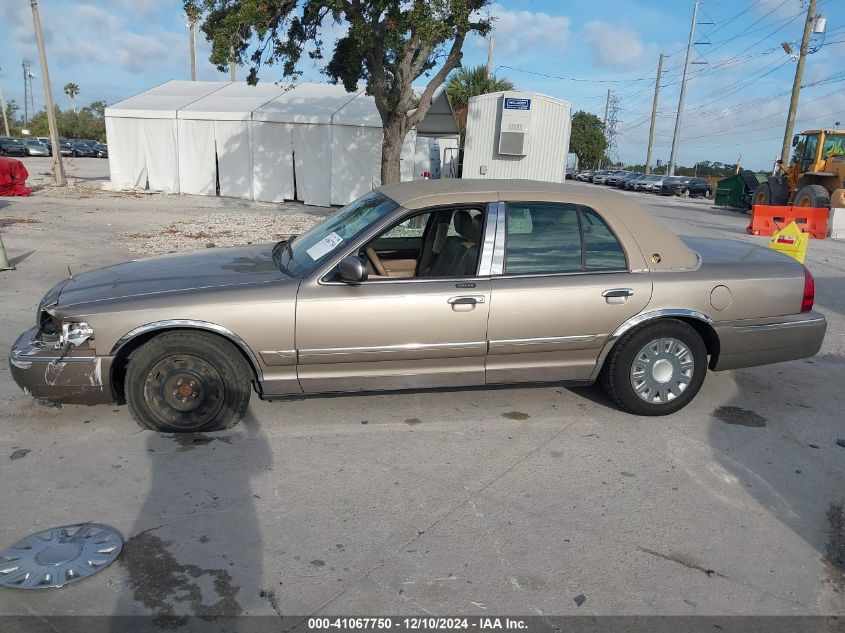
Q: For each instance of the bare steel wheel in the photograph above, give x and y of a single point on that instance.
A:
(187, 381)
(184, 391)
(656, 369)
(662, 370)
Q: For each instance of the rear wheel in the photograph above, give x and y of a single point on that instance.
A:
(656, 369)
(186, 381)
(812, 196)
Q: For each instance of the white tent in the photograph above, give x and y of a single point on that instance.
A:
(313, 142)
(215, 140)
(142, 131)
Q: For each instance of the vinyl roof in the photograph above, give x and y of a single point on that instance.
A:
(634, 225)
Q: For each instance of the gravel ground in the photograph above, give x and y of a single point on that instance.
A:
(215, 229)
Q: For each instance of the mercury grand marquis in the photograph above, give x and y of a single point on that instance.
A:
(445, 283)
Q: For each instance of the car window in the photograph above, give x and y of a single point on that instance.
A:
(305, 253)
(546, 237)
(602, 251)
(542, 238)
(410, 227)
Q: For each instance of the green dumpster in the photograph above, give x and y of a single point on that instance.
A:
(736, 190)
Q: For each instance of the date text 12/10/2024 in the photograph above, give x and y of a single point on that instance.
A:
(481, 623)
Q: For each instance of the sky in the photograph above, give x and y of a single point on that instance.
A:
(737, 90)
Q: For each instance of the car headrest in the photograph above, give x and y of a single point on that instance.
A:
(467, 226)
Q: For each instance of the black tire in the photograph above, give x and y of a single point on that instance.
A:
(616, 374)
(187, 382)
(762, 194)
(812, 196)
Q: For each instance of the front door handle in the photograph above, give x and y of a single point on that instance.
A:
(618, 292)
(465, 300)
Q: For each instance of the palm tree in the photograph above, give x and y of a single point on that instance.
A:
(471, 82)
(71, 90)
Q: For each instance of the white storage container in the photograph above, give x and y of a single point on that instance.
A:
(517, 135)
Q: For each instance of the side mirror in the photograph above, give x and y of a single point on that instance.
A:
(794, 140)
(352, 269)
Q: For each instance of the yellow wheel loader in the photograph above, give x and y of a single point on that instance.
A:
(816, 171)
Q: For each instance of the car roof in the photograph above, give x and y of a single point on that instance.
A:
(627, 217)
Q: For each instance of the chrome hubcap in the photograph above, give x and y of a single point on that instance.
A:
(662, 370)
(58, 556)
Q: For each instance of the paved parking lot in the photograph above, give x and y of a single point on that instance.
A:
(510, 500)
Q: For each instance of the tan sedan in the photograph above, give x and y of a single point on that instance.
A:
(423, 285)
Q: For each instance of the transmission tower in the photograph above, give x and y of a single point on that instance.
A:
(611, 128)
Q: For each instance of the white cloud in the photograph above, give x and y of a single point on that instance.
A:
(525, 33)
(615, 46)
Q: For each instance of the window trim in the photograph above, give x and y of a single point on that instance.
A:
(501, 238)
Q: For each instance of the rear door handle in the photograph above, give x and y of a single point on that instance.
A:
(618, 292)
(465, 300)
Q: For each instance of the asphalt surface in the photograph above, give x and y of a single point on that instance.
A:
(511, 500)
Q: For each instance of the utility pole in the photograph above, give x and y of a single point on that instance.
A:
(232, 65)
(653, 115)
(490, 45)
(606, 108)
(677, 136)
(58, 167)
(25, 66)
(796, 84)
(5, 118)
(192, 45)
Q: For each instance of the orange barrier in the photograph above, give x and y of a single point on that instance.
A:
(766, 219)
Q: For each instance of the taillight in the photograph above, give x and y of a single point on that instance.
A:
(809, 291)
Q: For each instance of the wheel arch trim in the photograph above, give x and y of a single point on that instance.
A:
(640, 319)
(177, 324)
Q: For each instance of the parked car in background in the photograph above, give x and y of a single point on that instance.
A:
(585, 176)
(84, 149)
(185, 339)
(613, 179)
(65, 147)
(699, 187)
(102, 150)
(642, 184)
(674, 185)
(654, 185)
(600, 176)
(622, 183)
(11, 147)
(631, 184)
(33, 147)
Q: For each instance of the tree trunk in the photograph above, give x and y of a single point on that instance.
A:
(391, 151)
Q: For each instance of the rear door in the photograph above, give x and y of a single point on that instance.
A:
(563, 287)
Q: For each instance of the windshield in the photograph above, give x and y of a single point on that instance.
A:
(303, 255)
(834, 145)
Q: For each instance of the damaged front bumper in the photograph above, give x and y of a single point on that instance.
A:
(80, 377)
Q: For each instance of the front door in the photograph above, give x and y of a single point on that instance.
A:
(420, 320)
(564, 287)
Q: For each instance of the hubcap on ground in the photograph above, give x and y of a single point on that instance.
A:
(58, 556)
(184, 391)
(662, 370)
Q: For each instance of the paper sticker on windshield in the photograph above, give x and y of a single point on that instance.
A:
(324, 246)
